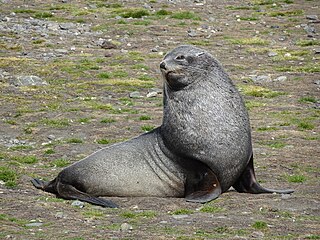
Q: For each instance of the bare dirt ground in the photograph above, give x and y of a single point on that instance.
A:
(89, 56)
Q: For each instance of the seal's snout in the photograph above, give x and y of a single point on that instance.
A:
(163, 65)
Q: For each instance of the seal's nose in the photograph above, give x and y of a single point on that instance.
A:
(163, 65)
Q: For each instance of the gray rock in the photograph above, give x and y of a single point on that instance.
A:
(66, 26)
(272, 54)
(135, 95)
(157, 90)
(59, 215)
(281, 79)
(77, 203)
(155, 49)
(317, 82)
(282, 38)
(34, 224)
(192, 33)
(29, 81)
(285, 196)
(261, 78)
(108, 45)
(152, 94)
(310, 29)
(180, 216)
(317, 51)
(51, 137)
(257, 234)
(126, 227)
(312, 17)
(62, 51)
(3, 75)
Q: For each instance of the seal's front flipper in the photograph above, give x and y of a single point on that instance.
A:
(67, 191)
(247, 182)
(203, 187)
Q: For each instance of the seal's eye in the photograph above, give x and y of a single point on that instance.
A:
(180, 57)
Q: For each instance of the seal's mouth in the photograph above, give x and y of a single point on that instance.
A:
(170, 74)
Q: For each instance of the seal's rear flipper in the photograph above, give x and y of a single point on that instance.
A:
(67, 191)
(202, 188)
(247, 182)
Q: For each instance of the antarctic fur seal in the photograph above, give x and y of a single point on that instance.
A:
(202, 148)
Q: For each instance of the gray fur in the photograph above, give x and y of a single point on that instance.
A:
(137, 167)
(202, 148)
(207, 119)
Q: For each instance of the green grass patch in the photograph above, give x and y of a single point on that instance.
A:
(185, 15)
(257, 91)
(11, 122)
(120, 74)
(135, 13)
(24, 11)
(108, 120)
(8, 176)
(296, 178)
(308, 68)
(260, 225)
(28, 130)
(238, 7)
(305, 125)
(61, 162)
(249, 41)
(144, 117)
(49, 151)
(211, 209)
(38, 41)
(142, 214)
(145, 78)
(297, 12)
(5, 217)
(250, 104)
(58, 123)
(305, 43)
(182, 211)
(83, 120)
(163, 12)
(74, 140)
(266, 129)
(93, 213)
(140, 67)
(147, 128)
(100, 106)
(43, 15)
(312, 237)
(26, 159)
(276, 144)
(308, 99)
(104, 75)
(263, 2)
(126, 101)
(142, 23)
(103, 141)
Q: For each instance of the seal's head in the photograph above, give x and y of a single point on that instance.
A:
(184, 65)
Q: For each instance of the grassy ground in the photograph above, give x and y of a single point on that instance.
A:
(86, 105)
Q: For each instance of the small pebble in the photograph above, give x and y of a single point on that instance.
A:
(126, 227)
(77, 203)
(34, 224)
